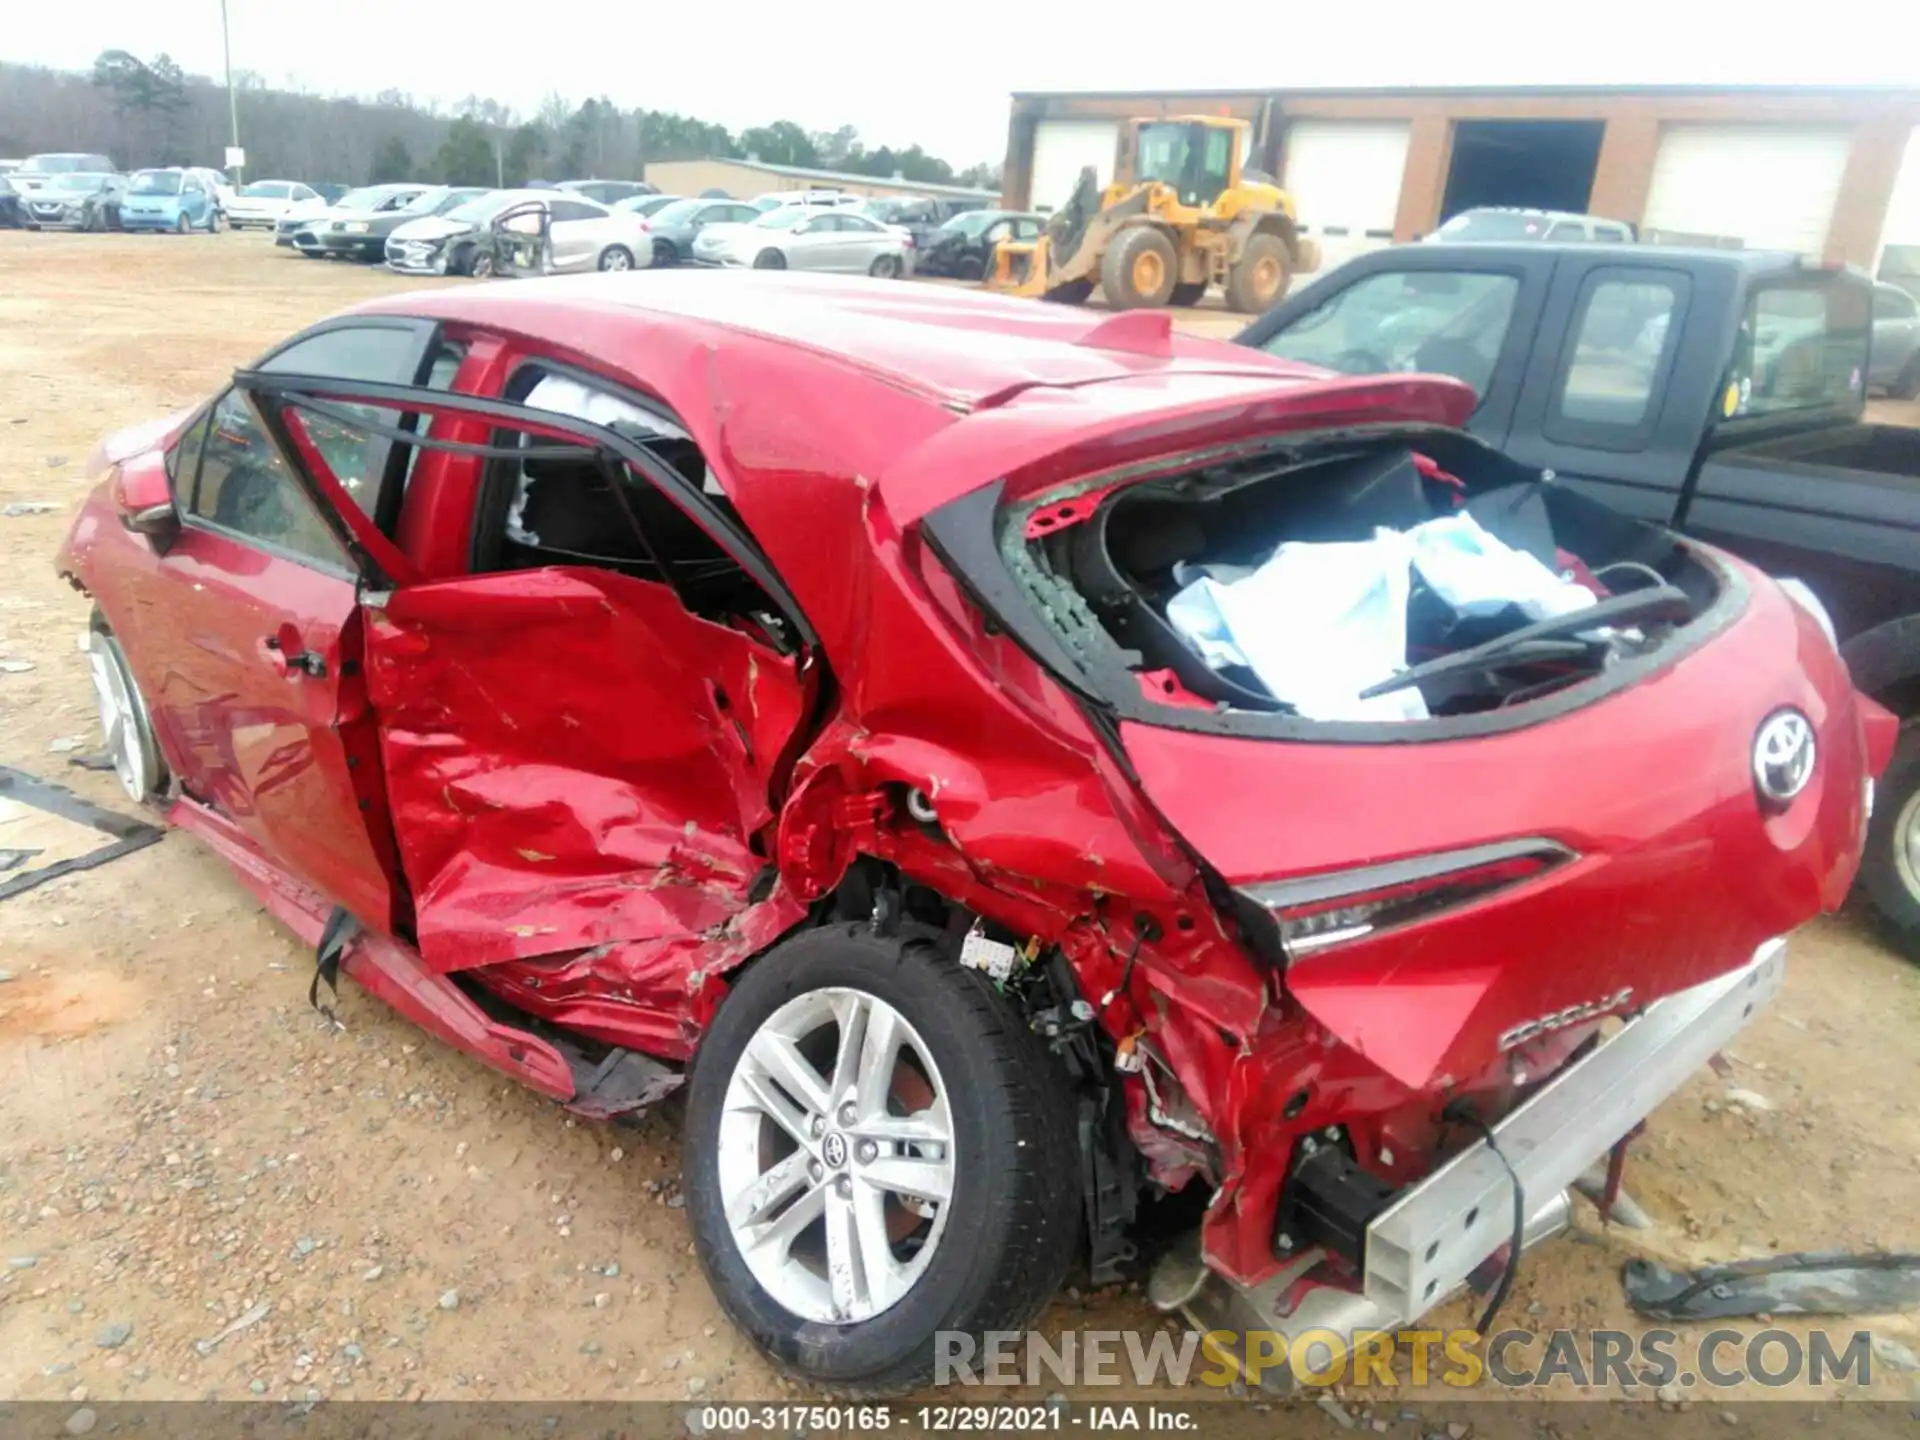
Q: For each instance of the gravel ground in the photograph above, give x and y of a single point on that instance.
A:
(205, 1189)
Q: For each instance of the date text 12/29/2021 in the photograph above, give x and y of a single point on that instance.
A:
(939, 1419)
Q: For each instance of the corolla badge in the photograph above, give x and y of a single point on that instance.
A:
(1783, 754)
(1560, 1019)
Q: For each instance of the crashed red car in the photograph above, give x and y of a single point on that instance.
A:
(766, 683)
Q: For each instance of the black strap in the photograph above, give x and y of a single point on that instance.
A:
(340, 931)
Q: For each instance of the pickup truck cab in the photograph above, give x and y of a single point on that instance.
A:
(1720, 392)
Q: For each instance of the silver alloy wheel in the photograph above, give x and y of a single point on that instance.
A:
(1906, 844)
(616, 259)
(123, 719)
(836, 1156)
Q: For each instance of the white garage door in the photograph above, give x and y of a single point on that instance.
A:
(1061, 149)
(1345, 178)
(1900, 241)
(1771, 187)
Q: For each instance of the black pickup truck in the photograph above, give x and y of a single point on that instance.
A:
(1721, 392)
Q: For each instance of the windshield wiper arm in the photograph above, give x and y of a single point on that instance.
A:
(1518, 646)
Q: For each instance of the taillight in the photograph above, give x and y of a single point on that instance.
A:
(1317, 912)
(646, 224)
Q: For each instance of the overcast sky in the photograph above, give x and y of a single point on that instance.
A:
(904, 70)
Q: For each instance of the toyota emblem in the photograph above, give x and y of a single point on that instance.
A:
(1783, 756)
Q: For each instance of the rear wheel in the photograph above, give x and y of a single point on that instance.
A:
(616, 257)
(885, 267)
(1139, 269)
(1188, 293)
(1890, 870)
(664, 254)
(879, 1150)
(216, 222)
(1908, 383)
(1261, 276)
(124, 722)
(183, 225)
(769, 260)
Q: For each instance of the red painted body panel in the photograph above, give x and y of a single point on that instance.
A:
(584, 826)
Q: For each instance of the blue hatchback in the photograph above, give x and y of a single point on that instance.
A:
(169, 200)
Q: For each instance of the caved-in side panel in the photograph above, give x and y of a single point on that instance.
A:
(573, 760)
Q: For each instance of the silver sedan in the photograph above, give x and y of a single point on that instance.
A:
(796, 237)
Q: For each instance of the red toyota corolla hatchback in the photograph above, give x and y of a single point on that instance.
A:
(782, 687)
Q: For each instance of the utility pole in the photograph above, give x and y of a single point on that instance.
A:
(233, 105)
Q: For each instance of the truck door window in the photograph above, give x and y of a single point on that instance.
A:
(1623, 341)
(1802, 345)
(1441, 322)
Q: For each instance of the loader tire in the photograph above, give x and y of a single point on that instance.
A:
(1260, 278)
(1139, 269)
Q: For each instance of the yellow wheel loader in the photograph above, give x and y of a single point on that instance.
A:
(1179, 216)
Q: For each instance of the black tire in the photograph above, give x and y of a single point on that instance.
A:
(1260, 278)
(1014, 1217)
(1187, 293)
(1073, 292)
(886, 267)
(1124, 269)
(615, 257)
(1907, 384)
(970, 269)
(664, 255)
(769, 260)
(1890, 886)
(479, 264)
(216, 222)
(183, 226)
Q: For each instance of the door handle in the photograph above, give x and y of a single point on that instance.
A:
(305, 662)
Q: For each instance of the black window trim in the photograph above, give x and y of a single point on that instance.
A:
(1560, 428)
(288, 388)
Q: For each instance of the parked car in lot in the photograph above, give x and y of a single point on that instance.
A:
(13, 210)
(261, 204)
(219, 182)
(962, 896)
(581, 233)
(36, 170)
(608, 192)
(807, 199)
(963, 246)
(794, 237)
(644, 205)
(919, 215)
(324, 236)
(1896, 343)
(178, 201)
(1504, 224)
(1716, 391)
(673, 228)
(299, 214)
(76, 200)
(360, 232)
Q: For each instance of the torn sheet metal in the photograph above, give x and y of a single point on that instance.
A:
(573, 760)
(1824, 1282)
(125, 835)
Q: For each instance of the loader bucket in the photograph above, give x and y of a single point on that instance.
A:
(1019, 267)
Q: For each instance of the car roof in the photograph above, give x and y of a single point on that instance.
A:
(1482, 250)
(954, 348)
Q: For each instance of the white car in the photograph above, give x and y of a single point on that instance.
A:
(298, 214)
(262, 204)
(583, 235)
(809, 199)
(796, 237)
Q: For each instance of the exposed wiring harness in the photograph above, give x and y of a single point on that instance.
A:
(1461, 1111)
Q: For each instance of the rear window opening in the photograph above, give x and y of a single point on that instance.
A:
(1402, 578)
